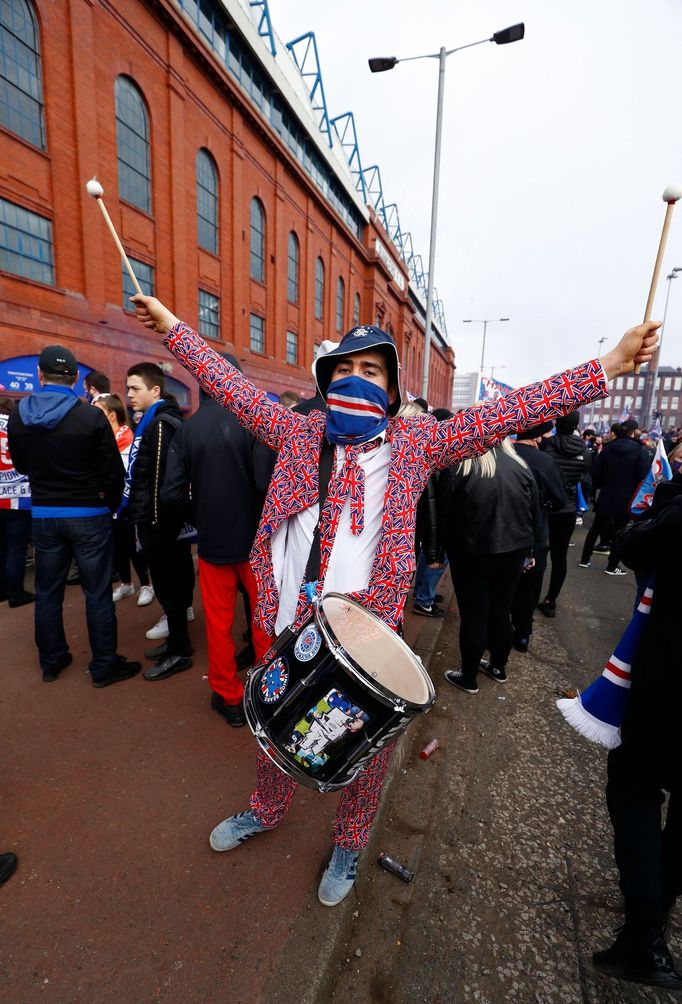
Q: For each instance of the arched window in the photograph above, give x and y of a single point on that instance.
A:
(257, 245)
(132, 144)
(292, 267)
(356, 310)
(207, 202)
(319, 289)
(340, 297)
(21, 89)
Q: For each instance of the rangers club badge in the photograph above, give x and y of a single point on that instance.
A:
(274, 681)
(307, 644)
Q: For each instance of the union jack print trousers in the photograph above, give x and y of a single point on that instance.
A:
(356, 809)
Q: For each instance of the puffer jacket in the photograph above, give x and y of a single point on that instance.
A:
(149, 471)
(570, 454)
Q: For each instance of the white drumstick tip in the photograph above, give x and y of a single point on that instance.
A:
(94, 189)
(673, 193)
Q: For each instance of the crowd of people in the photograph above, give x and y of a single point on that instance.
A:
(123, 483)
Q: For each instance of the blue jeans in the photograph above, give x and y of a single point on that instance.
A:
(88, 541)
(426, 580)
(15, 532)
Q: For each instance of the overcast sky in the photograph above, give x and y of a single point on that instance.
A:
(556, 151)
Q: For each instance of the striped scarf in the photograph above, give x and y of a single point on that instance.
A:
(357, 411)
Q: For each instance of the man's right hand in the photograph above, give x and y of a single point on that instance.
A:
(152, 313)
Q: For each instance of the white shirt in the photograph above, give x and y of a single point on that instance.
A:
(350, 562)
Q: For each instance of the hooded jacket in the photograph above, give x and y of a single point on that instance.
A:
(67, 449)
(144, 504)
(618, 471)
(568, 451)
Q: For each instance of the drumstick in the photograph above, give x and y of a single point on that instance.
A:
(96, 191)
(672, 194)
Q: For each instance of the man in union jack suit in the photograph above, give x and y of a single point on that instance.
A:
(381, 465)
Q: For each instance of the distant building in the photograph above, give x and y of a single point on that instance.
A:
(465, 390)
(627, 395)
(239, 205)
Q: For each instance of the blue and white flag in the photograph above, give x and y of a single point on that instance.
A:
(660, 470)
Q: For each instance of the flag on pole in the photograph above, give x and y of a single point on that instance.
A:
(660, 470)
(627, 410)
(656, 430)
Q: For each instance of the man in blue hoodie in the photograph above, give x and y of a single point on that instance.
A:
(69, 453)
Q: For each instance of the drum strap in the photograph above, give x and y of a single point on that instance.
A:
(312, 569)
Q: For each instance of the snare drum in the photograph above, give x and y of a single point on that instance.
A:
(328, 697)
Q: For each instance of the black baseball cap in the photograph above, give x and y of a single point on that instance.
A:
(56, 359)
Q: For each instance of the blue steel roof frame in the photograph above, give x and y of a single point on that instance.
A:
(375, 192)
(316, 90)
(392, 224)
(354, 161)
(264, 22)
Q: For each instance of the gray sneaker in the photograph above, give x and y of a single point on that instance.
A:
(235, 831)
(339, 877)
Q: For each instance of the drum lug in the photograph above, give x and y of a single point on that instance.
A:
(399, 707)
(259, 732)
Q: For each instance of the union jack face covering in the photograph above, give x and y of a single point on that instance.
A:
(357, 410)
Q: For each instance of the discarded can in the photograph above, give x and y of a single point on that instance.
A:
(395, 868)
(428, 750)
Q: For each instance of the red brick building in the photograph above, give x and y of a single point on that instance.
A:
(232, 206)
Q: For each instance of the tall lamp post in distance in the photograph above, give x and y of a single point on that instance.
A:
(379, 65)
(485, 321)
(650, 398)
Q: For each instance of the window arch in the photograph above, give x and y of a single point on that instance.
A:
(293, 257)
(356, 310)
(340, 303)
(132, 145)
(207, 201)
(319, 289)
(257, 241)
(21, 88)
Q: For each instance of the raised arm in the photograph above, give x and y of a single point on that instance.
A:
(267, 421)
(477, 429)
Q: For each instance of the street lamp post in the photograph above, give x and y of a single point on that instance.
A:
(497, 366)
(485, 321)
(379, 65)
(650, 398)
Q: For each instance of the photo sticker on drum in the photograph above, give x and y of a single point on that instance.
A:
(324, 728)
(307, 644)
(275, 681)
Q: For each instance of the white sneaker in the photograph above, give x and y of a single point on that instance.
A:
(160, 629)
(125, 589)
(145, 596)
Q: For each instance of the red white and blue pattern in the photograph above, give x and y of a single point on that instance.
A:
(275, 681)
(419, 446)
(660, 470)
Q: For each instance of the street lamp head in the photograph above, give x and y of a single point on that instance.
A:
(504, 318)
(381, 63)
(513, 34)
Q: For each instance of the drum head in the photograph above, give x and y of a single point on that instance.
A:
(377, 650)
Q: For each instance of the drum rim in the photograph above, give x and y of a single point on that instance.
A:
(339, 652)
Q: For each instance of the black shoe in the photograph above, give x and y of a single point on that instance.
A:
(74, 580)
(246, 657)
(169, 666)
(161, 651)
(548, 608)
(22, 599)
(498, 675)
(457, 679)
(651, 964)
(232, 713)
(123, 670)
(432, 611)
(50, 675)
(601, 549)
(520, 644)
(8, 866)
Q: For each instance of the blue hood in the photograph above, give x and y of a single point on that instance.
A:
(48, 407)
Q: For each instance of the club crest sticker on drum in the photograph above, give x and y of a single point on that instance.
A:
(275, 681)
(308, 644)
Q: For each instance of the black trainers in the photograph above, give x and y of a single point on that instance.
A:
(615, 571)
(601, 549)
(122, 670)
(520, 644)
(51, 675)
(457, 679)
(548, 608)
(498, 675)
(432, 611)
(649, 963)
(232, 713)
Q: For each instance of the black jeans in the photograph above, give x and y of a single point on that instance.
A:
(561, 527)
(125, 552)
(88, 540)
(172, 570)
(527, 596)
(484, 586)
(606, 527)
(15, 533)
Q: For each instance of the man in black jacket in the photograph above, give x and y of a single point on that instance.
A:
(225, 472)
(648, 762)
(617, 471)
(169, 560)
(69, 453)
(551, 498)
